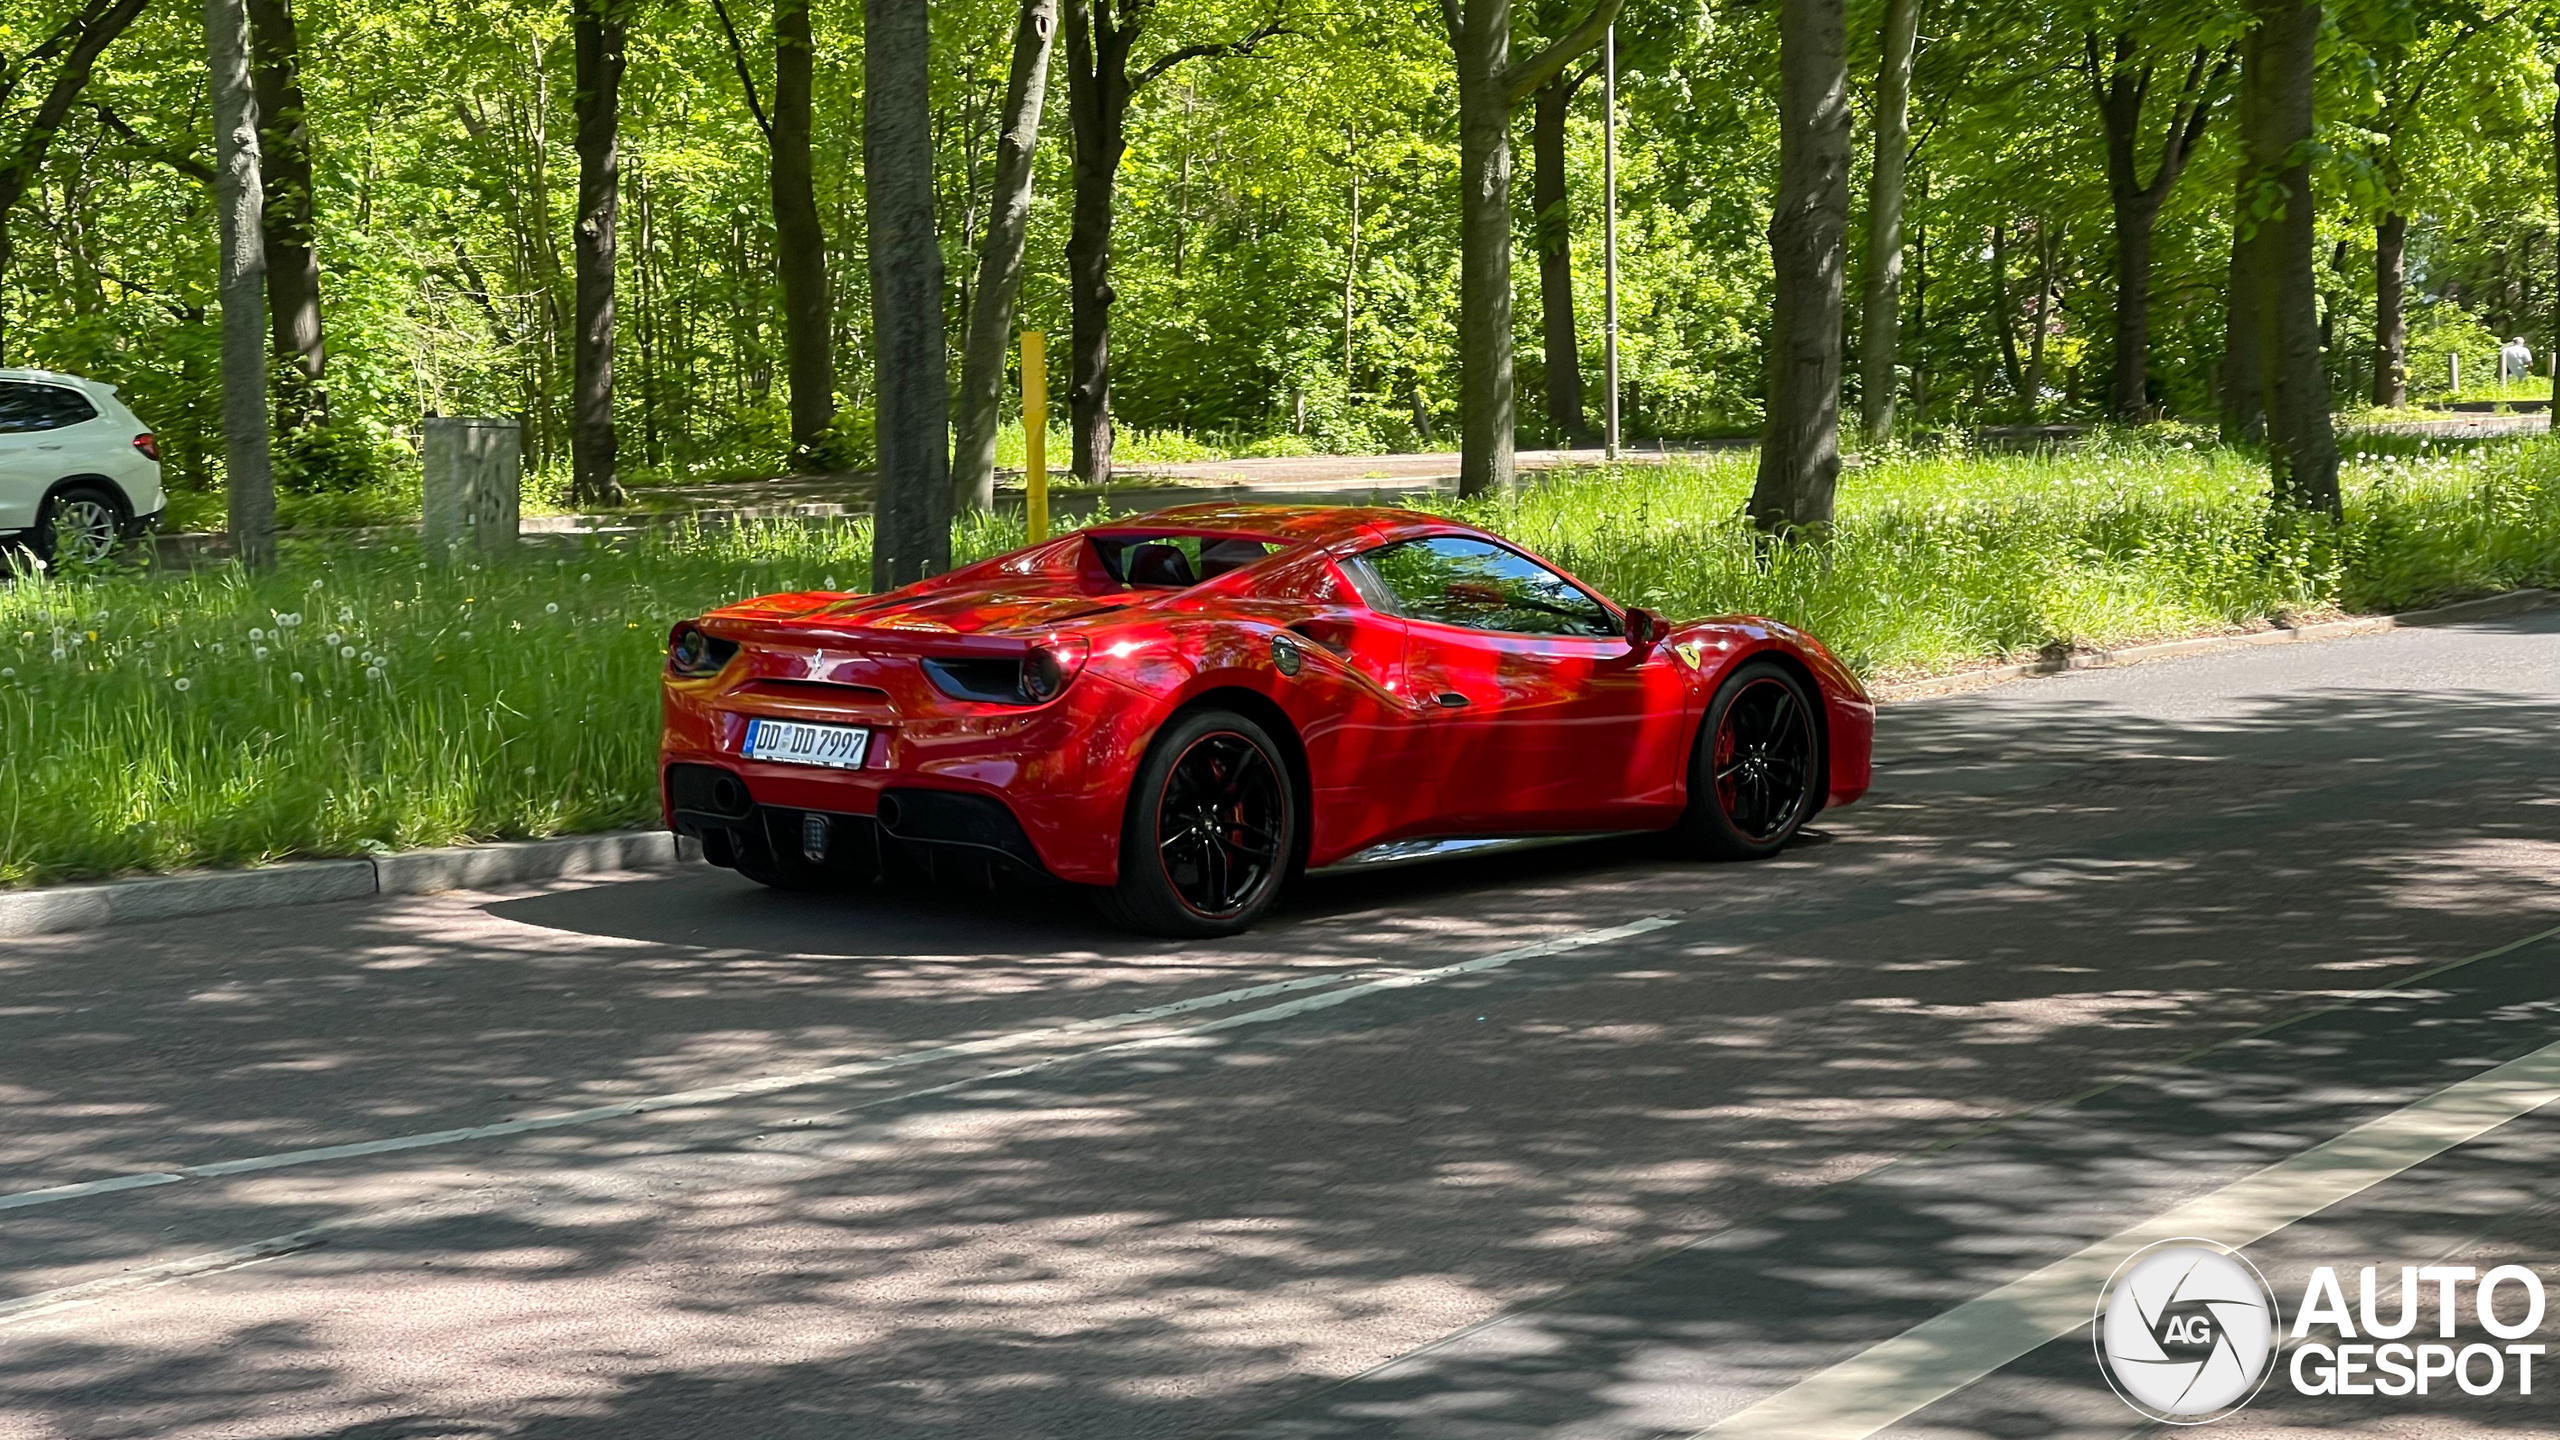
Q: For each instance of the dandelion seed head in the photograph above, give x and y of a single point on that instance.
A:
(346, 652)
(297, 677)
(185, 684)
(332, 638)
(373, 672)
(551, 609)
(262, 652)
(61, 654)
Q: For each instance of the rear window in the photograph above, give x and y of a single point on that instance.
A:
(25, 407)
(1176, 561)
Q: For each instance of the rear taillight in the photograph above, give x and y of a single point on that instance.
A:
(695, 655)
(149, 447)
(1035, 679)
(1049, 666)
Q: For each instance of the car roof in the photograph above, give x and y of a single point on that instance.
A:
(56, 377)
(1303, 524)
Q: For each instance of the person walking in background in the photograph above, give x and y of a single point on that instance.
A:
(2515, 360)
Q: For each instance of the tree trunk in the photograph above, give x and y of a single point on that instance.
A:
(2128, 385)
(2293, 387)
(1920, 312)
(1880, 310)
(1551, 199)
(293, 262)
(2243, 419)
(1351, 258)
(982, 355)
(911, 525)
(2048, 249)
(2004, 313)
(1486, 413)
(601, 29)
(1097, 107)
(2555, 250)
(79, 40)
(800, 242)
(1808, 228)
(2391, 310)
(2120, 85)
(249, 480)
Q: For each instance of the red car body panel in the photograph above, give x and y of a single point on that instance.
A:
(1557, 733)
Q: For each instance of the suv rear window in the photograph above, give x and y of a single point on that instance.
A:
(25, 407)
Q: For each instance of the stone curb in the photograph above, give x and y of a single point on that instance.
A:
(471, 867)
(309, 882)
(2488, 607)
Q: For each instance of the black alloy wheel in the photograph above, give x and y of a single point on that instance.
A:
(1211, 827)
(1757, 773)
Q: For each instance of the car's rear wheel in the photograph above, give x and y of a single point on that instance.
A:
(79, 525)
(1757, 772)
(1211, 826)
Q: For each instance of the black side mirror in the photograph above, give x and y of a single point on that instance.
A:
(1645, 629)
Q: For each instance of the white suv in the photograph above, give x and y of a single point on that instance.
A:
(78, 471)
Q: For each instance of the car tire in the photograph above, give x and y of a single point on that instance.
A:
(80, 523)
(1210, 830)
(1757, 771)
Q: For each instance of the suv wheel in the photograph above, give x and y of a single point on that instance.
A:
(80, 524)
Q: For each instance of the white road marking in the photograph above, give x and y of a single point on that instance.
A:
(171, 1272)
(766, 1085)
(1942, 1355)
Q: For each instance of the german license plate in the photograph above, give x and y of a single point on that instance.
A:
(838, 747)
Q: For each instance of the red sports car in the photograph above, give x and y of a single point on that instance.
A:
(1185, 709)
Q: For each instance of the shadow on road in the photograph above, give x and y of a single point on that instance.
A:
(2040, 898)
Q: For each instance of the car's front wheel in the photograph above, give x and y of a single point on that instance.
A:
(1211, 827)
(78, 525)
(1757, 772)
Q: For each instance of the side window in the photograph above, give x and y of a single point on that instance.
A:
(1458, 581)
(25, 407)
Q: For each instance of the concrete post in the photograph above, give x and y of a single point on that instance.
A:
(473, 483)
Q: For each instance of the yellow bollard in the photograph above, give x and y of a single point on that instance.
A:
(1035, 432)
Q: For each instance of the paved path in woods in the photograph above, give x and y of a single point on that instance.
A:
(1591, 1143)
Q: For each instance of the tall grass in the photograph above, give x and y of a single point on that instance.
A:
(364, 699)
(1936, 560)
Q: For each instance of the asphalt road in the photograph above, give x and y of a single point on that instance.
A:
(1587, 1143)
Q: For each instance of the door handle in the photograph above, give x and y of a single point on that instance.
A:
(1450, 699)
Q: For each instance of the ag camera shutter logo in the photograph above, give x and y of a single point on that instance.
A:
(2186, 1331)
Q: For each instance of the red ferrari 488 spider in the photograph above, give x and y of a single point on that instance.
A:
(1185, 709)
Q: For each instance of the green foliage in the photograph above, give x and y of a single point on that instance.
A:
(333, 459)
